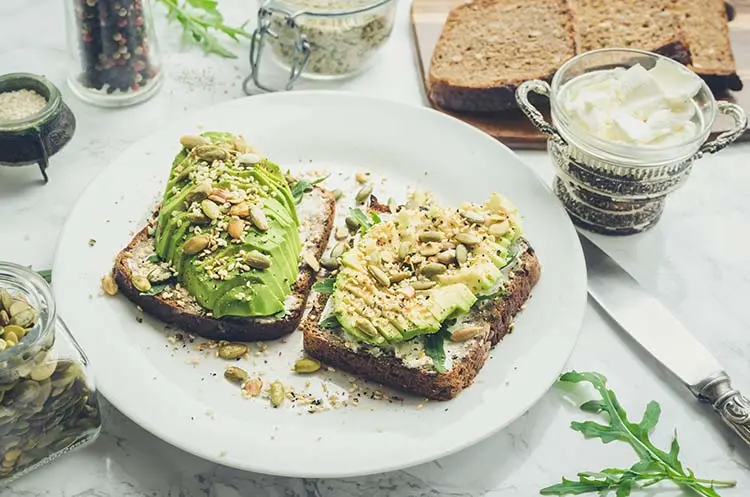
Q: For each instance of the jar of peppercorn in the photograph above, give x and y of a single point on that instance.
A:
(115, 55)
(48, 402)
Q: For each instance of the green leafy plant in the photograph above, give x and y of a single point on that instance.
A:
(201, 21)
(302, 186)
(325, 286)
(654, 465)
(156, 289)
(46, 274)
(434, 345)
(330, 322)
(365, 223)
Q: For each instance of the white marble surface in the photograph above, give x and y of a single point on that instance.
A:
(697, 260)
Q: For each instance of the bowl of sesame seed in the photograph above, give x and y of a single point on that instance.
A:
(35, 123)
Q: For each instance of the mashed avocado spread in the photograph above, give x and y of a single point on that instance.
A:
(423, 265)
(229, 227)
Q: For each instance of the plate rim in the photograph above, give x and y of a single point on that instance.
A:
(166, 436)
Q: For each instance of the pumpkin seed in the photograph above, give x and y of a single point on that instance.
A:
(363, 194)
(235, 228)
(366, 327)
(108, 285)
(195, 244)
(235, 374)
(241, 145)
(430, 250)
(210, 153)
(4, 318)
(198, 218)
(9, 336)
(431, 236)
(423, 285)
(466, 333)
(446, 257)
(399, 276)
(379, 275)
(462, 254)
(403, 250)
(240, 210)
(361, 177)
(12, 328)
(473, 217)
(253, 386)
(338, 250)
(210, 209)
(468, 238)
(337, 194)
(199, 192)
(342, 233)
(306, 365)
(3, 346)
(311, 261)
(258, 218)
(192, 141)
(5, 299)
(330, 263)
(248, 159)
(277, 394)
(141, 283)
(17, 307)
(433, 269)
(43, 371)
(352, 224)
(159, 275)
(257, 260)
(232, 351)
(499, 229)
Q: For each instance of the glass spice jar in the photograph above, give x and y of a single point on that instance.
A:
(616, 188)
(114, 52)
(319, 39)
(48, 402)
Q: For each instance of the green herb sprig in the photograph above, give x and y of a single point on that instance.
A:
(302, 186)
(365, 222)
(325, 286)
(654, 465)
(434, 345)
(200, 20)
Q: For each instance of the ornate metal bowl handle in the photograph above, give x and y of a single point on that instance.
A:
(730, 404)
(536, 117)
(739, 120)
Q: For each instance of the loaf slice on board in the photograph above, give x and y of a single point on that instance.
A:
(706, 30)
(177, 308)
(649, 25)
(331, 346)
(489, 47)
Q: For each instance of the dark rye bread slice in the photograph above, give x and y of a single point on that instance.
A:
(489, 47)
(180, 310)
(705, 26)
(331, 348)
(648, 25)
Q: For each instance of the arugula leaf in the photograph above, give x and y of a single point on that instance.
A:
(153, 258)
(375, 218)
(46, 274)
(325, 286)
(156, 289)
(654, 464)
(301, 186)
(330, 322)
(199, 19)
(365, 223)
(434, 345)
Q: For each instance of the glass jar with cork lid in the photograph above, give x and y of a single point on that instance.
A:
(48, 402)
(626, 128)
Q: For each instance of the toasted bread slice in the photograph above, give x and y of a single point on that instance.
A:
(334, 348)
(177, 308)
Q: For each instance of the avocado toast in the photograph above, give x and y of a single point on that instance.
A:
(423, 295)
(221, 256)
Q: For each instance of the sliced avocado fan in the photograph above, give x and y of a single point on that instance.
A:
(229, 227)
(421, 266)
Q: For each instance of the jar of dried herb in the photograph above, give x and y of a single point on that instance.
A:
(319, 39)
(48, 402)
(114, 52)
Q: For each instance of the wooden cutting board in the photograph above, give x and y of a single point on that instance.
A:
(513, 128)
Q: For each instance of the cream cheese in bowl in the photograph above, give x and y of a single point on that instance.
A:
(636, 106)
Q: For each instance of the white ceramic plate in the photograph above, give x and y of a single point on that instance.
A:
(179, 394)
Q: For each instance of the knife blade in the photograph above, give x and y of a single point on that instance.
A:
(650, 324)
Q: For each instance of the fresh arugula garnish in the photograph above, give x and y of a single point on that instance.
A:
(301, 186)
(434, 345)
(156, 289)
(153, 258)
(654, 465)
(46, 274)
(200, 21)
(325, 286)
(365, 223)
(330, 322)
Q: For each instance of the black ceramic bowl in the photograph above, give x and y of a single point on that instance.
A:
(34, 139)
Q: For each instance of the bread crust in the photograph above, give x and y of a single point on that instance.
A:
(194, 319)
(330, 348)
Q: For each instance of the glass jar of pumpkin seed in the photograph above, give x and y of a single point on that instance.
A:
(48, 403)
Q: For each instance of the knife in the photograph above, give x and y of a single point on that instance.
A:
(650, 324)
